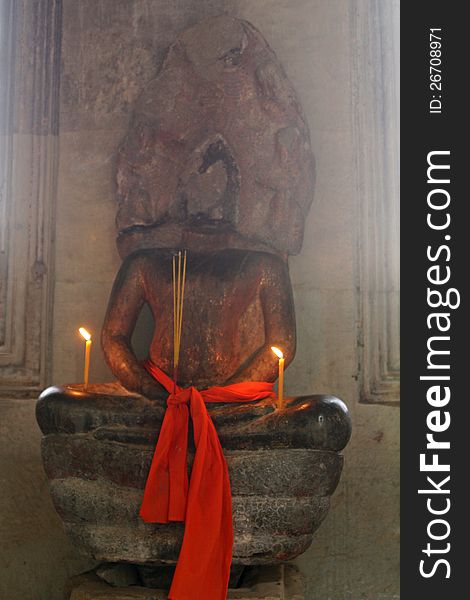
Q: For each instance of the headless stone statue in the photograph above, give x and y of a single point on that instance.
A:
(238, 304)
(217, 161)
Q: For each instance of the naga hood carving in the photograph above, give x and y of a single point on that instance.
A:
(218, 151)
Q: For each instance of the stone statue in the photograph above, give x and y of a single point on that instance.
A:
(217, 161)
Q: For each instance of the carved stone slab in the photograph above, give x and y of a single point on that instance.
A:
(264, 583)
(218, 144)
(283, 466)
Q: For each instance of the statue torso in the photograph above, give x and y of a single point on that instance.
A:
(223, 322)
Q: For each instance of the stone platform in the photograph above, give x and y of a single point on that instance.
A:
(280, 582)
(283, 466)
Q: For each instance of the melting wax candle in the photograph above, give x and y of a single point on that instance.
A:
(280, 385)
(87, 337)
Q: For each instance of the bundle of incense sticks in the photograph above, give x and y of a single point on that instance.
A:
(179, 279)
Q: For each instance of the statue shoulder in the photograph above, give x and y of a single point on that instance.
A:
(268, 261)
(264, 267)
(142, 260)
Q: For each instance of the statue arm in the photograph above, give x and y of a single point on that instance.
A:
(279, 322)
(126, 301)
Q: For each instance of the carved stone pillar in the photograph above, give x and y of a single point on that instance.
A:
(374, 73)
(29, 70)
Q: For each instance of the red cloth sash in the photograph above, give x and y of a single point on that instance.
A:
(204, 503)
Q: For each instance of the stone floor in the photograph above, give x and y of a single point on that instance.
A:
(282, 582)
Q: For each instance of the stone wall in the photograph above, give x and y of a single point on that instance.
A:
(110, 49)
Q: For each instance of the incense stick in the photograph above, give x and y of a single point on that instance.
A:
(182, 302)
(174, 313)
(178, 302)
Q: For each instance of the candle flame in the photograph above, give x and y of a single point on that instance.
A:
(84, 333)
(277, 352)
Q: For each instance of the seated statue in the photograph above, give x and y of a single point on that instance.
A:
(217, 161)
(238, 303)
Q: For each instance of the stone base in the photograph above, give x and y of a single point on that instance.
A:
(283, 467)
(280, 582)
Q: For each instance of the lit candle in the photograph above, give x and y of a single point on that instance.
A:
(280, 385)
(87, 337)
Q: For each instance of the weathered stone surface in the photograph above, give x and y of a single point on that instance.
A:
(111, 51)
(237, 305)
(103, 522)
(217, 161)
(304, 472)
(102, 591)
(77, 580)
(94, 502)
(119, 575)
(260, 583)
(317, 422)
(162, 576)
(313, 38)
(218, 140)
(158, 577)
(98, 450)
(185, 180)
(156, 545)
(293, 584)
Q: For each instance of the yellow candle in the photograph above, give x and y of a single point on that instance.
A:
(87, 337)
(280, 385)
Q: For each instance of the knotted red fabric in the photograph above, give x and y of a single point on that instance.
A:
(204, 503)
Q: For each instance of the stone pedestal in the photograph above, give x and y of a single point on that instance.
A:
(280, 582)
(283, 466)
